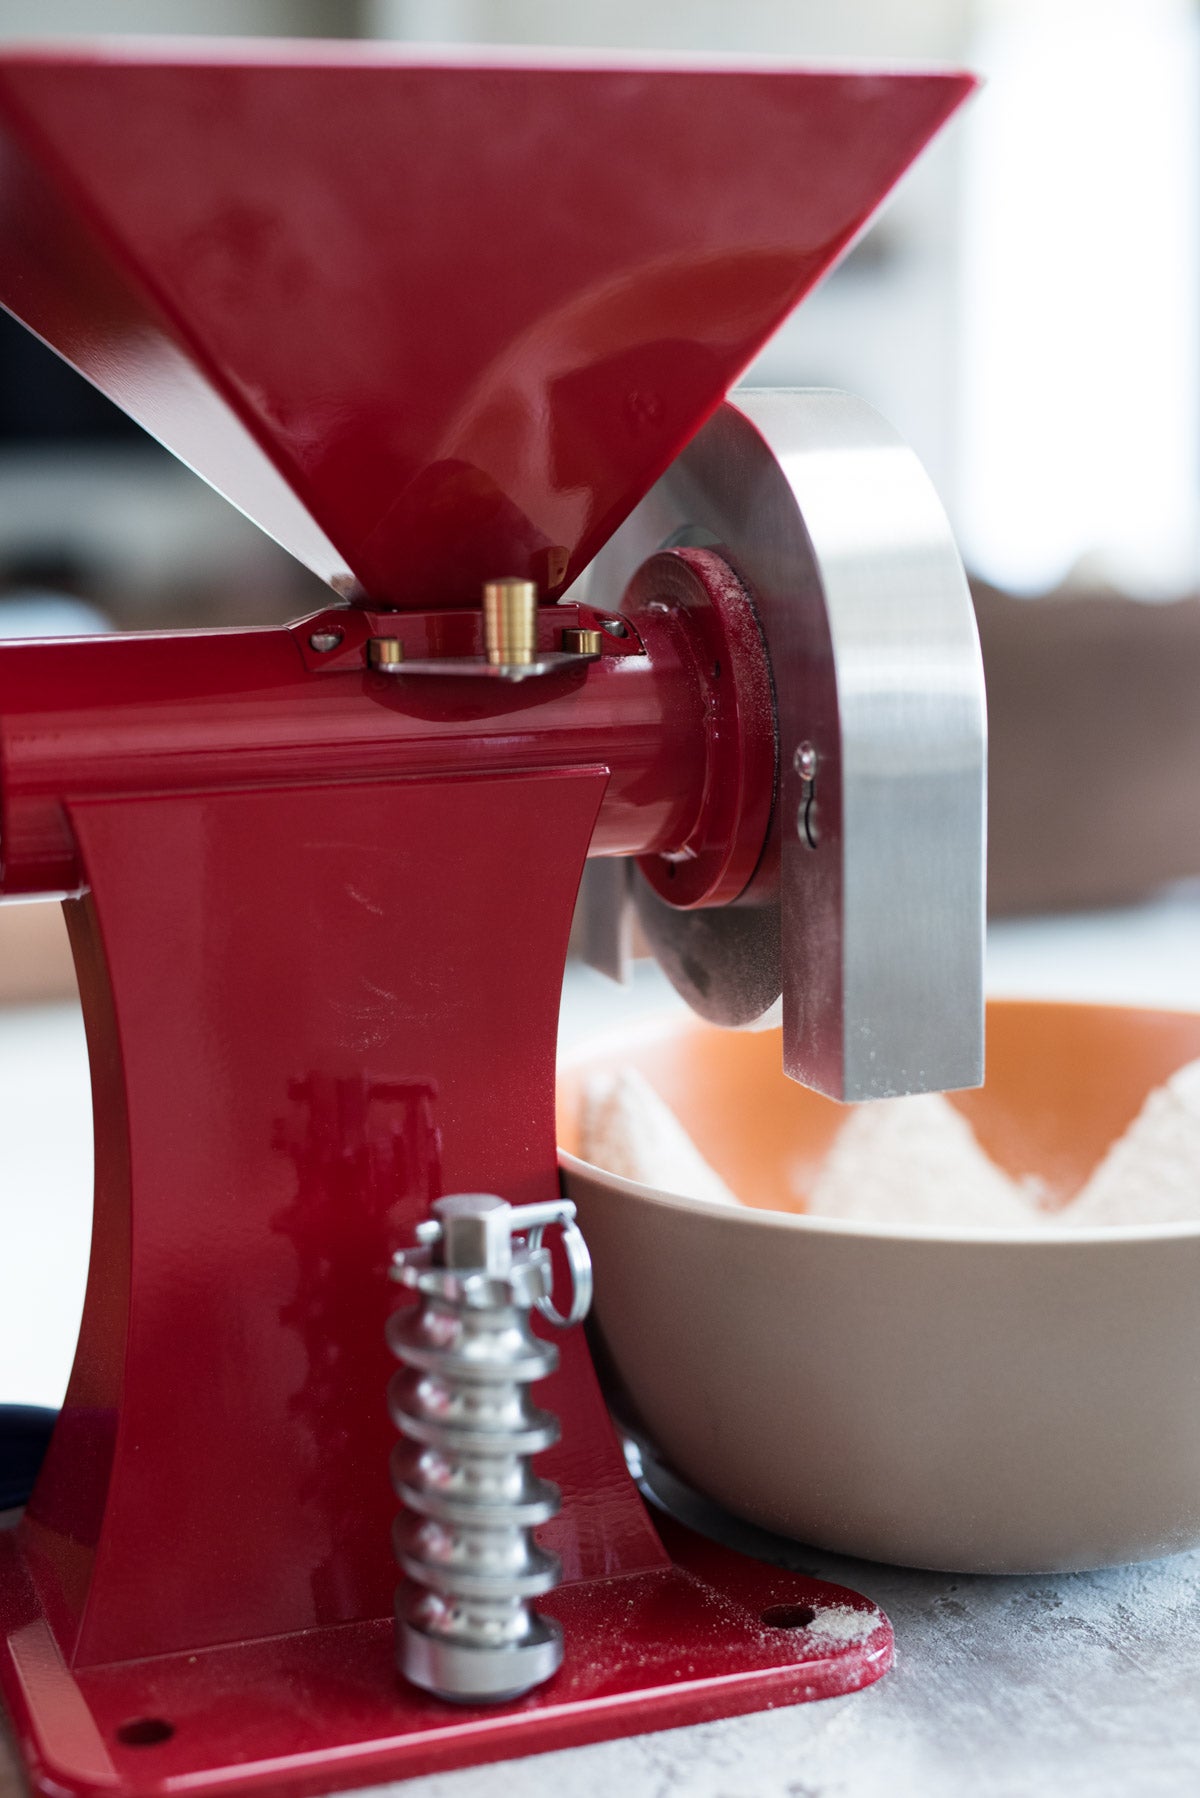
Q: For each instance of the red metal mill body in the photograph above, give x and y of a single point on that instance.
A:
(429, 322)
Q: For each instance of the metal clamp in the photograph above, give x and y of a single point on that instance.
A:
(532, 1221)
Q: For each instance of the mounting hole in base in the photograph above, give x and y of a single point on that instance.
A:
(788, 1616)
(145, 1732)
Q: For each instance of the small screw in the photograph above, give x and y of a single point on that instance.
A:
(614, 627)
(324, 641)
(805, 761)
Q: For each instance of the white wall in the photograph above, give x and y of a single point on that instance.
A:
(1081, 306)
(880, 28)
(210, 18)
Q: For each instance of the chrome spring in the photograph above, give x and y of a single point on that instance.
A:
(465, 1628)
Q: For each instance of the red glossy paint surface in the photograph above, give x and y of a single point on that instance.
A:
(314, 1002)
(430, 324)
(713, 612)
(298, 1087)
(119, 715)
(684, 1642)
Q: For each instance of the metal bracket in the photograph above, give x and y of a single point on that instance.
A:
(478, 667)
(869, 917)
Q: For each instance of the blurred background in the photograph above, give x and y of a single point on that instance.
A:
(1026, 312)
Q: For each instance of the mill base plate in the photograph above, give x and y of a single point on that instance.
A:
(712, 1635)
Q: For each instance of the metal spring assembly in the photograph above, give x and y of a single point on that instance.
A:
(464, 1627)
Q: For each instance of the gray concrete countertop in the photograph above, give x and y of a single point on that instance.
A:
(1087, 1684)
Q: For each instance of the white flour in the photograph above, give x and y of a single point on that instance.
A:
(1151, 1175)
(628, 1130)
(842, 1623)
(916, 1161)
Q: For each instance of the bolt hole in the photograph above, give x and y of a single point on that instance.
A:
(789, 1616)
(670, 870)
(145, 1732)
(716, 671)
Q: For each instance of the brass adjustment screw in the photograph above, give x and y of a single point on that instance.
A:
(385, 652)
(510, 609)
(582, 642)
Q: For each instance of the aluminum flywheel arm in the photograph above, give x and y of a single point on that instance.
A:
(865, 918)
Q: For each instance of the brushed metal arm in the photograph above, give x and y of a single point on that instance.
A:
(868, 910)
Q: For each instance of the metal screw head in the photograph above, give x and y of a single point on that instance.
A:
(805, 761)
(324, 641)
(615, 627)
(476, 1232)
(582, 642)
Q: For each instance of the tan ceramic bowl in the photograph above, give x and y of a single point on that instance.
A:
(981, 1403)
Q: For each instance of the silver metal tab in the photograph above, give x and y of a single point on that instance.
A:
(550, 661)
(604, 917)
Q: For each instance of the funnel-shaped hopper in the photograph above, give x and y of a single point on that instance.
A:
(429, 321)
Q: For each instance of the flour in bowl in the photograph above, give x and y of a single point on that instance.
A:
(916, 1161)
(1151, 1174)
(628, 1130)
